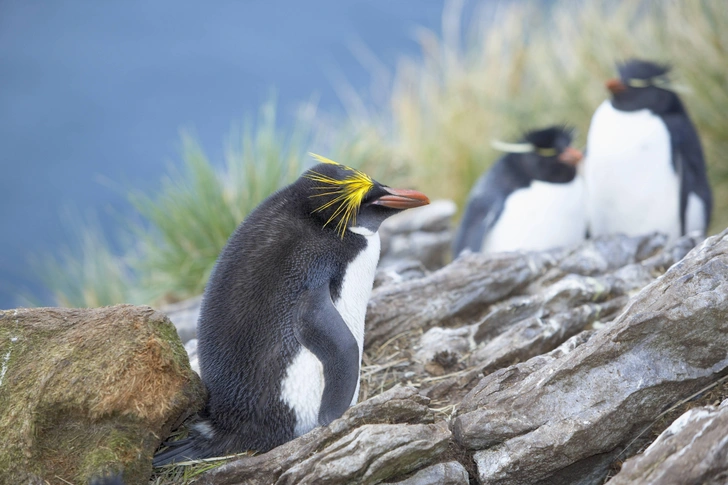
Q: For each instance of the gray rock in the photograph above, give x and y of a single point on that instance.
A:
(535, 335)
(608, 253)
(460, 293)
(541, 315)
(437, 339)
(450, 473)
(475, 288)
(400, 437)
(184, 315)
(505, 314)
(422, 234)
(370, 454)
(565, 417)
(673, 253)
(455, 388)
(525, 326)
(434, 217)
(399, 271)
(191, 349)
(505, 377)
(693, 450)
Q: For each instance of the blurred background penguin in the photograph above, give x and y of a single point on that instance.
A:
(645, 169)
(531, 199)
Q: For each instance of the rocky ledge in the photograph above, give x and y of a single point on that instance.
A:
(533, 368)
(520, 368)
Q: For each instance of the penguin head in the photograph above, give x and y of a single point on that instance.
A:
(545, 154)
(642, 85)
(343, 198)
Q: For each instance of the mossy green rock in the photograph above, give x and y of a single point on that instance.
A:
(89, 391)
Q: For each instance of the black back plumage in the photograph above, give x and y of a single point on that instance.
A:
(513, 171)
(687, 157)
(647, 87)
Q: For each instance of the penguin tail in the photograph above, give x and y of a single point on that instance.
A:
(181, 450)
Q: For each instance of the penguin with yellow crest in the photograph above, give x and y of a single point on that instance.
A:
(281, 328)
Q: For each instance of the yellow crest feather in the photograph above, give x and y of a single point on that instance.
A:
(346, 194)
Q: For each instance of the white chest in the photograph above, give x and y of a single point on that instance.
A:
(631, 184)
(541, 216)
(303, 387)
(356, 286)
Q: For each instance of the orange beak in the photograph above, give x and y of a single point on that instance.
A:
(570, 156)
(402, 199)
(615, 86)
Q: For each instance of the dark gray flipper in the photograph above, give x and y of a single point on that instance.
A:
(688, 161)
(479, 218)
(320, 328)
(484, 207)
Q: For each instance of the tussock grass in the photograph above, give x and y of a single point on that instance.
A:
(197, 209)
(87, 272)
(180, 229)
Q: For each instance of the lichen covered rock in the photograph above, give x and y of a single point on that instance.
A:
(85, 392)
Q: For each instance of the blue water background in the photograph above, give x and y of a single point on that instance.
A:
(93, 95)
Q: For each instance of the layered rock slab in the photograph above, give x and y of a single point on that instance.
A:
(448, 473)
(386, 436)
(85, 392)
(693, 450)
(523, 284)
(572, 290)
(567, 419)
(457, 294)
